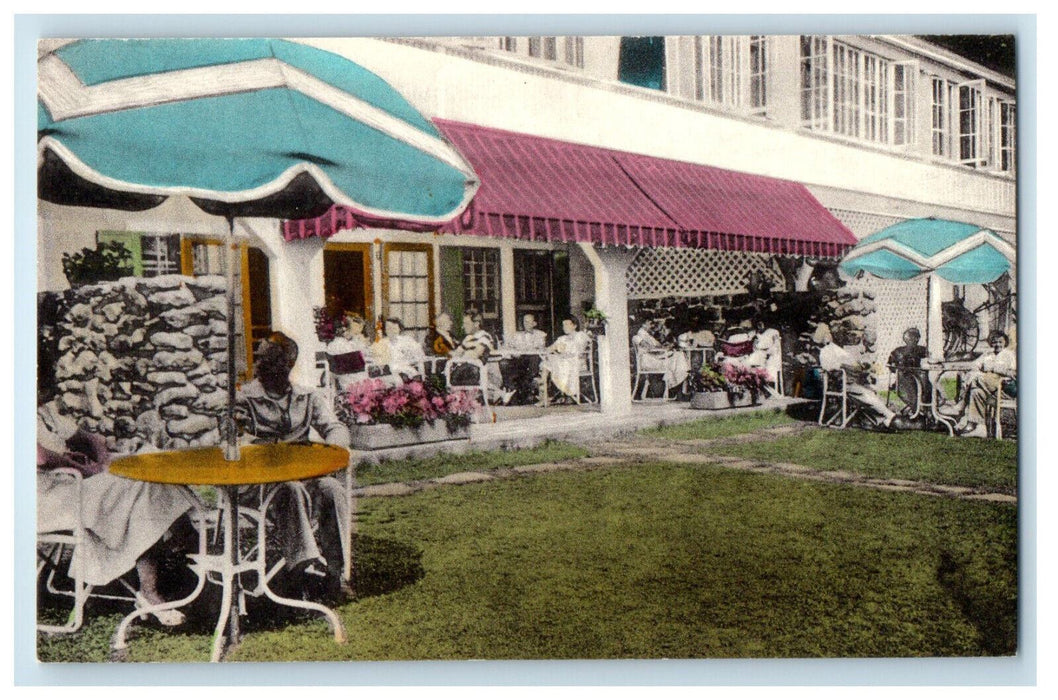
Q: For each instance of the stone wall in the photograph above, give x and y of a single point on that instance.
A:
(143, 360)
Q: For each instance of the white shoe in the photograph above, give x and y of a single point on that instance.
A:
(167, 618)
(978, 431)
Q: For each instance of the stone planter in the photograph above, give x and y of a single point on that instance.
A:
(716, 400)
(383, 436)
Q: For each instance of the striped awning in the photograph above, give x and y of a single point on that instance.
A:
(540, 189)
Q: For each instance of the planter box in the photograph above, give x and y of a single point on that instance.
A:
(716, 400)
(382, 436)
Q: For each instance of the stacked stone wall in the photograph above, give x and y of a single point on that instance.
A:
(143, 360)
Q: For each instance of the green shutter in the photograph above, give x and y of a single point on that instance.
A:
(131, 241)
(452, 298)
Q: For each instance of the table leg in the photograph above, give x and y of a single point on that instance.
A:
(263, 578)
(118, 643)
(944, 420)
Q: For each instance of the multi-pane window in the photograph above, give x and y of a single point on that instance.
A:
(567, 50)
(971, 123)
(151, 255)
(903, 103)
(815, 82)
(875, 99)
(846, 91)
(731, 71)
(941, 116)
(481, 282)
(1007, 136)
(409, 287)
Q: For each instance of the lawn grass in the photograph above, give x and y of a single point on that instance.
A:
(440, 465)
(651, 561)
(914, 455)
(720, 426)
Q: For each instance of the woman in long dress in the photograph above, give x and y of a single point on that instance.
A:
(401, 352)
(655, 357)
(124, 520)
(564, 360)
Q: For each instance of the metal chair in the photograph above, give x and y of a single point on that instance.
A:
(834, 383)
(1002, 400)
(482, 383)
(922, 396)
(643, 376)
(587, 369)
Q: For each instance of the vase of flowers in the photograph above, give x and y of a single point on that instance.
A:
(595, 322)
(381, 415)
(328, 325)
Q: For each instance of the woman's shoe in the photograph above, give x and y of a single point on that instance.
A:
(977, 430)
(167, 618)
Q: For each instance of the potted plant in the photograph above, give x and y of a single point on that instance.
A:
(381, 415)
(595, 321)
(328, 325)
(728, 385)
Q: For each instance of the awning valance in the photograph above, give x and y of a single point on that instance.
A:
(541, 189)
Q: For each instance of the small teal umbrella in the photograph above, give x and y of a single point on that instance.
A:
(958, 252)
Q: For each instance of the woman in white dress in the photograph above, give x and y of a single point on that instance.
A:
(345, 354)
(564, 360)
(655, 357)
(125, 521)
(401, 352)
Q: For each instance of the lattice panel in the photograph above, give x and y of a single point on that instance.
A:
(899, 305)
(864, 224)
(689, 272)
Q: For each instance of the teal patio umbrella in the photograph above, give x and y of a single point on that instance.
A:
(243, 127)
(958, 252)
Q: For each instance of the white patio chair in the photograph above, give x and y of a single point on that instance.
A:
(481, 385)
(643, 375)
(587, 370)
(922, 397)
(1003, 401)
(834, 383)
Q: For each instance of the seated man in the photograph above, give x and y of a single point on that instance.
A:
(271, 409)
(906, 361)
(521, 370)
(833, 356)
(989, 372)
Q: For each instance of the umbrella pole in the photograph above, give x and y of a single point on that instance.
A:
(231, 437)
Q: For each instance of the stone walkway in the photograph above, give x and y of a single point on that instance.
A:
(693, 452)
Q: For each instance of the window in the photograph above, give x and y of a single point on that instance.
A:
(903, 102)
(731, 71)
(856, 94)
(509, 43)
(1007, 136)
(971, 123)
(941, 117)
(409, 285)
(152, 254)
(565, 50)
(481, 283)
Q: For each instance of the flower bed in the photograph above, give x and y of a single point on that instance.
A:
(380, 414)
(727, 385)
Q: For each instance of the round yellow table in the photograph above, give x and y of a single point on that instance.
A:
(257, 465)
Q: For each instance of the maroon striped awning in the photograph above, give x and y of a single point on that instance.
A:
(540, 189)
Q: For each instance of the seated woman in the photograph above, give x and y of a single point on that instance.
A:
(128, 524)
(521, 369)
(398, 351)
(990, 371)
(564, 360)
(655, 357)
(345, 354)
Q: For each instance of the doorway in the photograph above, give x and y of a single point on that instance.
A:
(347, 278)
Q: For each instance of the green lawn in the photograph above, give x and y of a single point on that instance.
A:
(650, 561)
(720, 426)
(915, 455)
(444, 464)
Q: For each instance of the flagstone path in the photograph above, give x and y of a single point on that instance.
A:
(635, 449)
